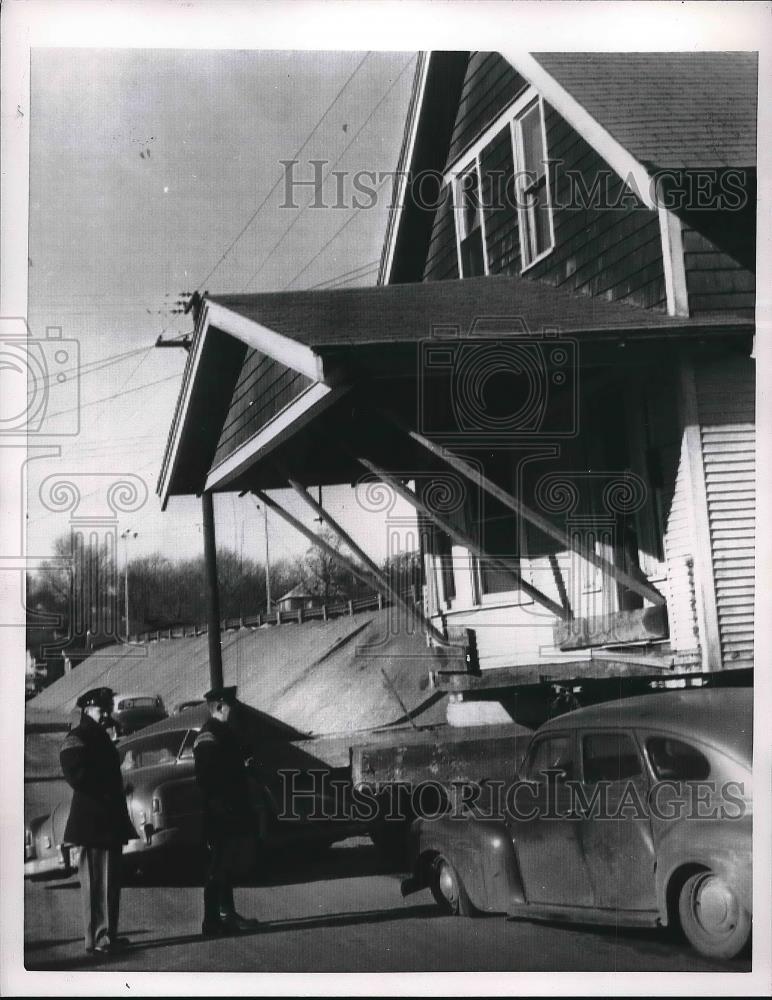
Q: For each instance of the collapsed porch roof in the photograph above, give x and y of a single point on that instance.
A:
(343, 339)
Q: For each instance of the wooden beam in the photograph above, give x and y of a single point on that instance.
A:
(376, 571)
(212, 593)
(365, 575)
(641, 587)
(460, 538)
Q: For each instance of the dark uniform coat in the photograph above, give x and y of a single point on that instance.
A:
(224, 781)
(91, 766)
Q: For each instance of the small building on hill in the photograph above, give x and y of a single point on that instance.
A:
(300, 597)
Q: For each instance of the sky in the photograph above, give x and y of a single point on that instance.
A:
(145, 167)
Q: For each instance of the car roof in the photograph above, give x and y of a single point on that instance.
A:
(121, 695)
(722, 717)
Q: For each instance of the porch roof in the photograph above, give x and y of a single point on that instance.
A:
(340, 339)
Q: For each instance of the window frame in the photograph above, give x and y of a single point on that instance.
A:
(510, 118)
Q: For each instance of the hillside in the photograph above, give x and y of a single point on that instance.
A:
(339, 676)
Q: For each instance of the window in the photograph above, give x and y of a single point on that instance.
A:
(159, 749)
(533, 186)
(552, 753)
(503, 185)
(676, 761)
(609, 757)
(470, 223)
(186, 753)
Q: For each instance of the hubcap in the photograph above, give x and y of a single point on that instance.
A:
(447, 884)
(715, 906)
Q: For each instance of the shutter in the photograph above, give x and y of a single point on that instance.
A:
(725, 400)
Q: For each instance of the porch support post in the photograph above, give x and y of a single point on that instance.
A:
(366, 575)
(641, 587)
(460, 538)
(212, 593)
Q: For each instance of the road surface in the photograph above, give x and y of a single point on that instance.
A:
(338, 912)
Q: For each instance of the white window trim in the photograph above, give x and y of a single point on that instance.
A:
(471, 156)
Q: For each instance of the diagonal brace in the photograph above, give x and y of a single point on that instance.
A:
(460, 538)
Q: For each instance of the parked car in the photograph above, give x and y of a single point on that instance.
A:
(183, 706)
(135, 711)
(165, 804)
(668, 842)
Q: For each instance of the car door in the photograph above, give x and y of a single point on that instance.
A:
(543, 827)
(615, 831)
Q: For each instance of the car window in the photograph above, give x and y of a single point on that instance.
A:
(609, 757)
(186, 753)
(549, 754)
(675, 760)
(161, 748)
(127, 703)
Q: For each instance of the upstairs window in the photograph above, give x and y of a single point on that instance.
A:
(535, 212)
(500, 186)
(470, 223)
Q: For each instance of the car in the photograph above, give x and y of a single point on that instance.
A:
(135, 711)
(165, 804)
(183, 706)
(635, 812)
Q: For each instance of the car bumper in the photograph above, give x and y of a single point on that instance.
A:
(63, 862)
(156, 841)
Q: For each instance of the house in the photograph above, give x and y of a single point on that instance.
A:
(555, 369)
(299, 597)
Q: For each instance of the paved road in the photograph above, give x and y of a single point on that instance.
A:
(340, 912)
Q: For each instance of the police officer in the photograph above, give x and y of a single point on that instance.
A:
(230, 824)
(99, 820)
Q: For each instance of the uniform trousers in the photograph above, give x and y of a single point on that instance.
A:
(99, 871)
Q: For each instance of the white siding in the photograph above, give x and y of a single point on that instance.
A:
(725, 399)
(679, 557)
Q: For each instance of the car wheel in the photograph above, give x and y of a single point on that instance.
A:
(712, 917)
(448, 889)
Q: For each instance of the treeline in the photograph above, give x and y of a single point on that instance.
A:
(78, 598)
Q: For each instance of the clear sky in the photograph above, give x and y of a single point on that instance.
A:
(145, 165)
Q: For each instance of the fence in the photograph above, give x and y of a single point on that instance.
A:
(296, 616)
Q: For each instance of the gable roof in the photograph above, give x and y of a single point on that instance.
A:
(640, 111)
(669, 109)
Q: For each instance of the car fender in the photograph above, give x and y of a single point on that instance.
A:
(482, 853)
(724, 847)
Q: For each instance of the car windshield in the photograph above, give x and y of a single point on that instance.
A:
(161, 748)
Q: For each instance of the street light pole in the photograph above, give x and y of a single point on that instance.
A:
(126, 535)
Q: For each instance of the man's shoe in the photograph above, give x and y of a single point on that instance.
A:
(215, 928)
(235, 922)
(119, 943)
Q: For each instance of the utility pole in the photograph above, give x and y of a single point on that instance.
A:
(267, 559)
(126, 535)
(267, 564)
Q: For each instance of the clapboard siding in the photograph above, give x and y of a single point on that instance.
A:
(442, 258)
(263, 389)
(489, 85)
(726, 400)
(606, 245)
(715, 281)
(679, 557)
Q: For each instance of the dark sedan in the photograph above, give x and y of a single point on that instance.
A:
(165, 804)
(635, 812)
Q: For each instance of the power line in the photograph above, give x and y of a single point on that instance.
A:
(115, 395)
(328, 281)
(279, 179)
(89, 369)
(346, 148)
(335, 235)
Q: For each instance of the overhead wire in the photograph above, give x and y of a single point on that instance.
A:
(329, 170)
(278, 181)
